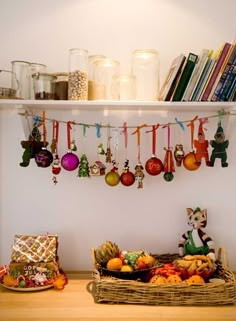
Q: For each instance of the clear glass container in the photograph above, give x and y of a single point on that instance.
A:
(6, 91)
(104, 71)
(146, 69)
(78, 74)
(34, 68)
(61, 86)
(123, 87)
(91, 61)
(44, 86)
(21, 70)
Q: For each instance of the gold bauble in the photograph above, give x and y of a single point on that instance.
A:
(190, 162)
(112, 178)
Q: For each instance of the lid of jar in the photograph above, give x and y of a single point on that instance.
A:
(38, 64)
(145, 51)
(107, 62)
(20, 61)
(37, 75)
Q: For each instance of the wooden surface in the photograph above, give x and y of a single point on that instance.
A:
(76, 302)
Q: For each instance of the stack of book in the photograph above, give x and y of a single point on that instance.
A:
(208, 76)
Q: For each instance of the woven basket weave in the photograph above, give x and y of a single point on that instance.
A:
(114, 290)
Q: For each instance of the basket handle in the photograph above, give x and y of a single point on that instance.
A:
(223, 256)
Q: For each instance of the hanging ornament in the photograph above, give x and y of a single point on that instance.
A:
(44, 158)
(169, 166)
(83, 167)
(108, 152)
(153, 165)
(112, 178)
(69, 161)
(201, 144)
(127, 178)
(219, 146)
(190, 161)
(179, 150)
(32, 146)
(139, 175)
(56, 164)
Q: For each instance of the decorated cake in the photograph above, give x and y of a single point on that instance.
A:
(34, 263)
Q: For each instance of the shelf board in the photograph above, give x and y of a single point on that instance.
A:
(115, 105)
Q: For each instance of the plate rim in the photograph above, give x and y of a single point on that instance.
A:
(31, 289)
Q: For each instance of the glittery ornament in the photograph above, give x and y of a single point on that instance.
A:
(127, 178)
(112, 178)
(70, 161)
(44, 158)
(154, 166)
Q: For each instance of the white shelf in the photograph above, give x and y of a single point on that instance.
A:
(115, 105)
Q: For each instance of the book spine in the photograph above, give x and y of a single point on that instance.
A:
(228, 82)
(226, 70)
(216, 71)
(184, 79)
(196, 75)
(231, 94)
(175, 82)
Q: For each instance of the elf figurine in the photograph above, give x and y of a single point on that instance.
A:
(201, 145)
(219, 147)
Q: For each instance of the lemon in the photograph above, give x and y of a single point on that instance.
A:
(127, 268)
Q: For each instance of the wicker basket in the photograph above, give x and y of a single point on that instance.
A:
(114, 290)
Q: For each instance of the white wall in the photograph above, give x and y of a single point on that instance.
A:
(84, 213)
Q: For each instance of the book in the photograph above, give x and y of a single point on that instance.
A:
(202, 60)
(185, 76)
(216, 70)
(223, 74)
(171, 77)
(231, 96)
(229, 81)
(203, 77)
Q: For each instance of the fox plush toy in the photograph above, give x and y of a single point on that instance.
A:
(196, 241)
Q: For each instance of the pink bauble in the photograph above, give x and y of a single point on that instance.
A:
(154, 166)
(70, 161)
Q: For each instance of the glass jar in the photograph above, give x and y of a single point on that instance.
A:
(61, 86)
(104, 71)
(6, 91)
(44, 86)
(146, 69)
(91, 61)
(21, 70)
(123, 87)
(78, 74)
(34, 68)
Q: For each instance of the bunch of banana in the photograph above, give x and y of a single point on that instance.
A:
(106, 251)
(195, 263)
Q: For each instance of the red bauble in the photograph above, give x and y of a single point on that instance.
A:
(127, 178)
(190, 162)
(154, 166)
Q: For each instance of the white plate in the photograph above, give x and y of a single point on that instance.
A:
(33, 289)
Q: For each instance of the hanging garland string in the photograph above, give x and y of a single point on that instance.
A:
(98, 127)
(137, 131)
(154, 137)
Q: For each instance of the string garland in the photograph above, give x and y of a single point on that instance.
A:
(98, 127)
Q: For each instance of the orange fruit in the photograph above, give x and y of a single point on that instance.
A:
(174, 278)
(158, 279)
(114, 264)
(148, 259)
(126, 268)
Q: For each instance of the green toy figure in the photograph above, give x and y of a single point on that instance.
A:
(32, 146)
(219, 147)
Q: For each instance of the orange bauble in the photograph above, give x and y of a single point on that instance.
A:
(190, 162)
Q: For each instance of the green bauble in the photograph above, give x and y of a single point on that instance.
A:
(168, 177)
